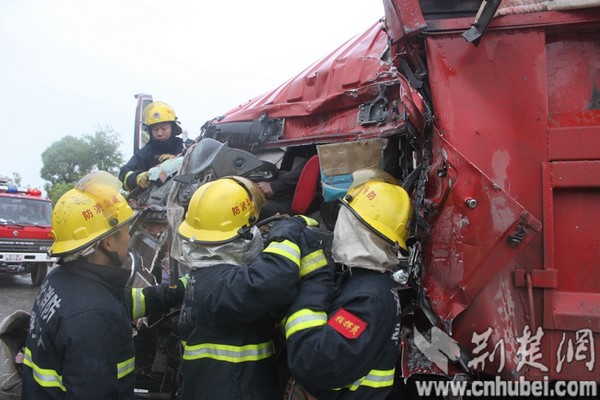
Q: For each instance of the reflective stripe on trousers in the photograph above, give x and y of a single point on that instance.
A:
(228, 353)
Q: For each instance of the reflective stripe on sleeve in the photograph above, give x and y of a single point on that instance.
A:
(287, 249)
(375, 378)
(125, 180)
(228, 353)
(304, 319)
(43, 376)
(184, 280)
(139, 303)
(312, 262)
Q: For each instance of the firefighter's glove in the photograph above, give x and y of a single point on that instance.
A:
(142, 180)
(171, 296)
(286, 229)
(165, 157)
(317, 287)
(316, 264)
(307, 221)
(309, 242)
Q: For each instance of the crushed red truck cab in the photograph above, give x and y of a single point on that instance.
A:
(489, 114)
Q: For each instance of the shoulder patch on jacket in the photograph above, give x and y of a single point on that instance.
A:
(348, 324)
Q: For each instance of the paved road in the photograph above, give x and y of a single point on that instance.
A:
(16, 293)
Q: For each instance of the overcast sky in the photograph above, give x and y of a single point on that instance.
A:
(70, 67)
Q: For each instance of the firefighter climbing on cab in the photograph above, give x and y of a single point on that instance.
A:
(346, 347)
(162, 125)
(80, 342)
(236, 291)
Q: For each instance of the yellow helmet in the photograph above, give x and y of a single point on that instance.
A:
(257, 195)
(90, 211)
(219, 209)
(157, 112)
(383, 207)
(363, 175)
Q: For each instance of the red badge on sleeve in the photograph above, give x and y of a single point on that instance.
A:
(348, 324)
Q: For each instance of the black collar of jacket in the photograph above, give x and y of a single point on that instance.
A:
(113, 278)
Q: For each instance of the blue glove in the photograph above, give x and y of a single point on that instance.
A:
(172, 295)
(286, 229)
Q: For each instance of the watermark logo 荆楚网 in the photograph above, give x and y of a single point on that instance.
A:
(441, 348)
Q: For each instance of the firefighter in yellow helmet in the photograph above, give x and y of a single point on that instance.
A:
(161, 123)
(236, 291)
(80, 341)
(347, 348)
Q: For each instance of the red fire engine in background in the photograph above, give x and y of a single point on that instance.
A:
(25, 232)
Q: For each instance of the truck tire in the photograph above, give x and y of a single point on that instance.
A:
(38, 273)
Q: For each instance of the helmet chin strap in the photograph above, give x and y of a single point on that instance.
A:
(113, 256)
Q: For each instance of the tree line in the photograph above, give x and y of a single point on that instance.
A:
(66, 161)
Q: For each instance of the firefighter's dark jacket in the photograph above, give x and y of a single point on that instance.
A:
(146, 158)
(80, 344)
(229, 353)
(357, 360)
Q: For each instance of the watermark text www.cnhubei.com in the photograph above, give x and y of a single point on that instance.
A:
(502, 389)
